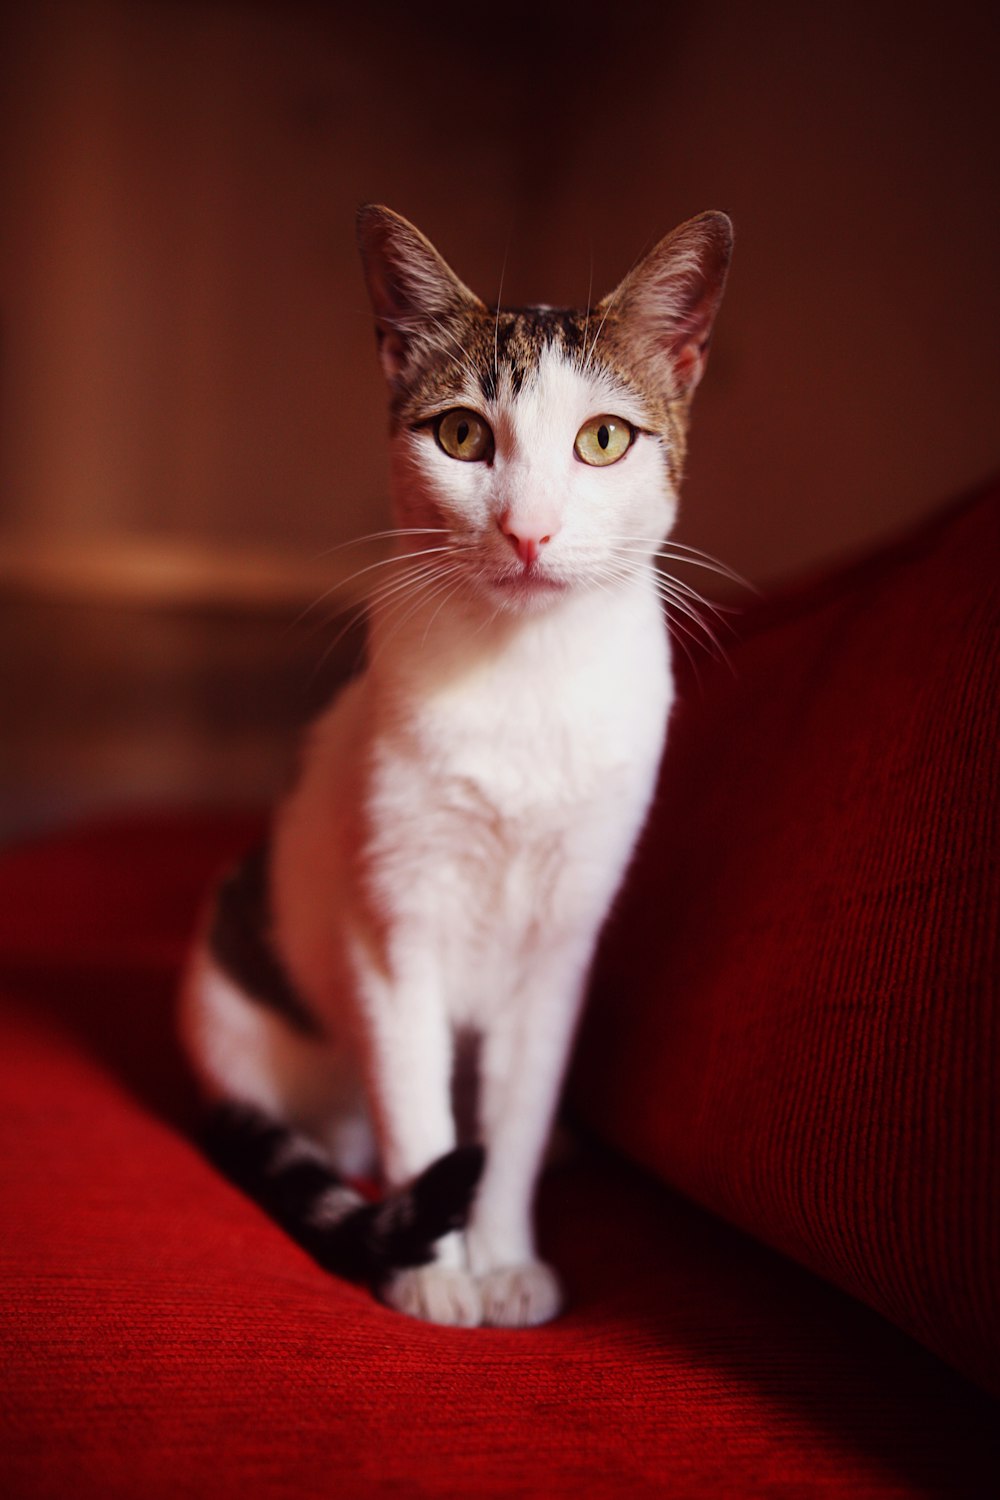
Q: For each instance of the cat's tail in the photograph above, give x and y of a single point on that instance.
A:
(293, 1182)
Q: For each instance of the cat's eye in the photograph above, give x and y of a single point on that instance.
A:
(603, 440)
(463, 435)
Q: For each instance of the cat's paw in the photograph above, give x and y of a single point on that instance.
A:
(520, 1296)
(437, 1294)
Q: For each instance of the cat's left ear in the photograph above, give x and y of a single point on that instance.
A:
(414, 292)
(667, 305)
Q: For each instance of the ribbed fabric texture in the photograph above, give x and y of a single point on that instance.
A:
(795, 1019)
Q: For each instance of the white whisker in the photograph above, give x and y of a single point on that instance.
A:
(465, 360)
(388, 589)
(383, 536)
(682, 588)
(448, 593)
(624, 571)
(405, 585)
(461, 360)
(678, 607)
(682, 602)
(496, 324)
(600, 329)
(423, 594)
(590, 293)
(610, 301)
(344, 583)
(682, 552)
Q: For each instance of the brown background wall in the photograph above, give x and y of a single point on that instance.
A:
(187, 374)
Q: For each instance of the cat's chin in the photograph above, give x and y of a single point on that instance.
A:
(529, 590)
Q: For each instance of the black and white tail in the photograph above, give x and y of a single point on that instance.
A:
(292, 1181)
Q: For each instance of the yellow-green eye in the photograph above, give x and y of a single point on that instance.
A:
(463, 435)
(603, 440)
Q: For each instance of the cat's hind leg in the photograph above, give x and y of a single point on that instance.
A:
(246, 1052)
(251, 1033)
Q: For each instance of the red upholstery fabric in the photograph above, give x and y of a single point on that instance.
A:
(795, 1019)
(162, 1339)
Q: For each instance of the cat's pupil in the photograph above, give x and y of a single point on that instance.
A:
(603, 435)
(462, 433)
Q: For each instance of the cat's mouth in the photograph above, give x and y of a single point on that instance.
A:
(528, 583)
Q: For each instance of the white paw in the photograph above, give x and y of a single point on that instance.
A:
(520, 1296)
(437, 1294)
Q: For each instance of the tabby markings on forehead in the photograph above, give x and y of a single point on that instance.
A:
(488, 347)
(521, 335)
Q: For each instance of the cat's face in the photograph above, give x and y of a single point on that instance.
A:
(540, 449)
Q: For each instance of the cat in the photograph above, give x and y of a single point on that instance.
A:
(426, 910)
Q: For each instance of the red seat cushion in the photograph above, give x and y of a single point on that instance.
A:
(161, 1338)
(795, 1019)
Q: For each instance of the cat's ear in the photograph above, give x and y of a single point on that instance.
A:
(412, 290)
(667, 305)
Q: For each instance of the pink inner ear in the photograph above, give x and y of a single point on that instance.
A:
(391, 350)
(685, 314)
(693, 316)
(689, 361)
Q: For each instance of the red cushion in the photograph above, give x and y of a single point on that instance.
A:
(161, 1338)
(795, 1016)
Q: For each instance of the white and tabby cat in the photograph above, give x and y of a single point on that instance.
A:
(434, 885)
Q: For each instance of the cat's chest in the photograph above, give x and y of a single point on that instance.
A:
(525, 743)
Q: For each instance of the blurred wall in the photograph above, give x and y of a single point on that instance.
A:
(855, 381)
(186, 346)
(185, 350)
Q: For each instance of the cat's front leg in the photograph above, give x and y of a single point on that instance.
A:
(409, 1060)
(523, 1059)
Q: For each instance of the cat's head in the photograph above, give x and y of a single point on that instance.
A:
(540, 447)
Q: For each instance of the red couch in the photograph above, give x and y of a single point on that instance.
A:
(793, 1026)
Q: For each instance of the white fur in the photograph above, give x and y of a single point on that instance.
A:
(246, 1052)
(464, 818)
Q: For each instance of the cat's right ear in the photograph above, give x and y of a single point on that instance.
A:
(667, 304)
(413, 290)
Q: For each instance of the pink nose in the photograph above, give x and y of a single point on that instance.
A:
(526, 542)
